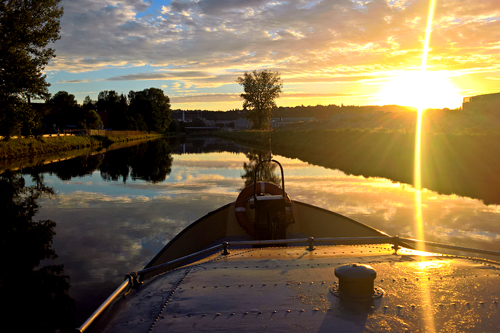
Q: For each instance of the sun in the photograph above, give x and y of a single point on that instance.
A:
(421, 90)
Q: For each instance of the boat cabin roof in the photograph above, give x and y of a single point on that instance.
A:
(293, 289)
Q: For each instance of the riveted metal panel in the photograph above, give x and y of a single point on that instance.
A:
(289, 289)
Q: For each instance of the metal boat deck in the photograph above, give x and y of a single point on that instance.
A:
(290, 289)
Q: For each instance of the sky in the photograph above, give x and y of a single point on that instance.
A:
(352, 52)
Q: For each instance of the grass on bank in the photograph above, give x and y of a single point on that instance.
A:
(23, 147)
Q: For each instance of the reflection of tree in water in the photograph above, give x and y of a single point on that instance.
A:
(154, 163)
(76, 167)
(150, 161)
(266, 170)
(116, 164)
(34, 297)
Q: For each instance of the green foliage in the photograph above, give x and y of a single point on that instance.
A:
(92, 119)
(108, 101)
(26, 28)
(63, 110)
(150, 107)
(261, 89)
(175, 126)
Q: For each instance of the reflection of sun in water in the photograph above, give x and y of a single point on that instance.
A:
(421, 89)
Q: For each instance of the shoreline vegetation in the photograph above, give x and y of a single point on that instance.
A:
(30, 148)
(462, 164)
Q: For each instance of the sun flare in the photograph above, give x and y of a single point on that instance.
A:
(421, 90)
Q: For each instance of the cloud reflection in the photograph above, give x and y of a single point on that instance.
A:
(110, 228)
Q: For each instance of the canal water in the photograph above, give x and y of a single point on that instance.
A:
(111, 213)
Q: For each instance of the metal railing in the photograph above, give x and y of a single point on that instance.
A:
(396, 243)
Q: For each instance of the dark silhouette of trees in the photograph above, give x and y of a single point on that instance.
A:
(26, 243)
(149, 110)
(153, 162)
(261, 90)
(26, 28)
(152, 107)
(108, 101)
(63, 109)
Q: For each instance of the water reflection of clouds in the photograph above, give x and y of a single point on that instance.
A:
(102, 236)
(390, 207)
(106, 229)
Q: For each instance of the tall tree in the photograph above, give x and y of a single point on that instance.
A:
(108, 102)
(63, 109)
(151, 105)
(261, 89)
(26, 28)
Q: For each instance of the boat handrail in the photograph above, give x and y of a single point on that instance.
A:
(103, 306)
(395, 241)
(189, 256)
(451, 247)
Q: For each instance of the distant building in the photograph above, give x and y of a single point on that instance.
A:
(485, 104)
(241, 123)
(280, 122)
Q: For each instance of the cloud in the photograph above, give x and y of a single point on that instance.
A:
(74, 81)
(208, 43)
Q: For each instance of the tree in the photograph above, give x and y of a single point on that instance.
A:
(261, 89)
(26, 28)
(152, 107)
(63, 109)
(91, 120)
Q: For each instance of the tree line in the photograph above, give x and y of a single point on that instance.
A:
(146, 110)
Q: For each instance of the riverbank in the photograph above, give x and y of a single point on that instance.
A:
(463, 164)
(25, 147)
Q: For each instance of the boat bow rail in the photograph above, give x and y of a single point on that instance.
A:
(133, 279)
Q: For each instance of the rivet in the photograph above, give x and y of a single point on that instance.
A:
(246, 313)
(232, 313)
(218, 314)
(312, 282)
(204, 314)
(274, 311)
(260, 312)
(288, 311)
(323, 282)
(302, 310)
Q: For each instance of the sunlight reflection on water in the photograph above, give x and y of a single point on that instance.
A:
(105, 229)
